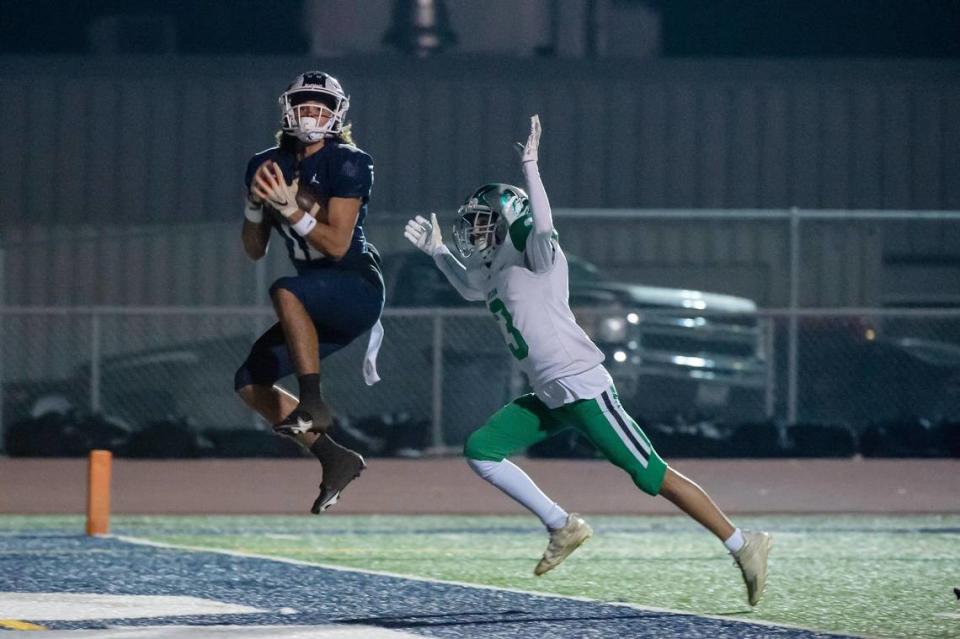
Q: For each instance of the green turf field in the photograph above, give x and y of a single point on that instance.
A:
(876, 576)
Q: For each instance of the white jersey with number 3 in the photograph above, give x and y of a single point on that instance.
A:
(533, 313)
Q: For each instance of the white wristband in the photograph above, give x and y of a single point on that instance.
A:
(305, 225)
(253, 212)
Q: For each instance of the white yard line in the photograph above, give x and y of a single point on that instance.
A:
(241, 632)
(69, 606)
(299, 562)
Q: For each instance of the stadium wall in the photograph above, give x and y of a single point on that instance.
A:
(159, 139)
(844, 262)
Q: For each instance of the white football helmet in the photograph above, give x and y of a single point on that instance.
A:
(311, 89)
(484, 220)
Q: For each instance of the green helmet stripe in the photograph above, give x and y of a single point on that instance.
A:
(521, 229)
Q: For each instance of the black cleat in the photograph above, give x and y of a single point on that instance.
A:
(296, 423)
(330, 491)
(303, 419)
(340, 467)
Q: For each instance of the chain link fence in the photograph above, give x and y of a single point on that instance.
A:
(445, 371)
(843, 320)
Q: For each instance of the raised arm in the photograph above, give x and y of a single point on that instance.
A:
(541, 246)
(425, 235)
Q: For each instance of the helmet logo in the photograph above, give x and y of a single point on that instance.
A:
(512, 206)
(314, 78)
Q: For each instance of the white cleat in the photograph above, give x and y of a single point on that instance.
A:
(563, 541)
(752, 560)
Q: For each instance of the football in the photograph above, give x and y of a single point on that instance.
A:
(308, 201)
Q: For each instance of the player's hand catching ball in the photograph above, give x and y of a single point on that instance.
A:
(270, 185)
(425, 234)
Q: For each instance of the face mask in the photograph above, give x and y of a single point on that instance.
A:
(310, 130)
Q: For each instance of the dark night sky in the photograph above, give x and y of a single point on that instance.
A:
(203, 26)
(697, 28)
(828, 28)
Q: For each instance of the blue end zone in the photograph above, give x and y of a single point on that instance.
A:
(75, 564)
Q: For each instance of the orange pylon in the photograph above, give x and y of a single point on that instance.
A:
(98, 492)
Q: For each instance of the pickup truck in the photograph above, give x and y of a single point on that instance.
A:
(669, 350)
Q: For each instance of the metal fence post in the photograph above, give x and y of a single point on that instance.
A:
(259, 291)
(95, 362)
(792, 336)
(437, 413)
(3, 355)
(770, 380)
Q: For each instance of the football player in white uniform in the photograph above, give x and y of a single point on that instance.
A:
(514, 264)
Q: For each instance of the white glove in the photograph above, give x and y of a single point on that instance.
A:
(425, 234)
(270, 185)
(530, 150)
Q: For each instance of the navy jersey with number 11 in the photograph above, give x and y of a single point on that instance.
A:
(336, 170)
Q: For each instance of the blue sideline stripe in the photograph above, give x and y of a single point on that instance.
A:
(321, 595)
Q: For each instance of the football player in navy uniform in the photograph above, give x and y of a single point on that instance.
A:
(312, 189)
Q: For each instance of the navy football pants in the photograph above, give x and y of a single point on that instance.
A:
(343, 305)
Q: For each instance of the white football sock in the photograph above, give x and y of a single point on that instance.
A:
(509, 478)
(735, 541)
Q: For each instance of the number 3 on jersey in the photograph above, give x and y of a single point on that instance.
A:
(515, 342)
